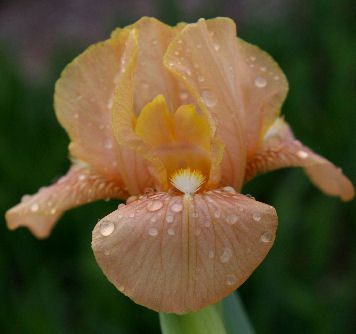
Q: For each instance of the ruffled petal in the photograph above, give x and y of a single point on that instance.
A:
(178, 254)
(83, 101)
(280, 149)
(204, 67)
(137, 161)
(79, 186)
(151, 77)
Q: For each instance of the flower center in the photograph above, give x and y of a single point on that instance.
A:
(188, 181)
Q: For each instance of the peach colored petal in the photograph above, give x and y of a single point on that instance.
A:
(80, 185)
(154, 124)
(83, 100)
(151, 77)
(280, 149)
(178, 254)
(202, 64)
(134, 153)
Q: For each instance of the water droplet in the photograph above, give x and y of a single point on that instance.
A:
(177, 207)
(154, 42)
(153, 219)
(34, 207)
(230, 190)
(208, 98)
(176, 53)
(132, 214)
(110, 102)
(76, 115)
(152, 231)
(256, 216)
(302, 154)
(131, 199)
(252, 58)
(232, 219)
(154, 205)
(106, 252)
(225, 257)
(25, 198)
(183, 95)
(82, 177)
(211, 254)
(266, 237)
(217, 213)
(179, 41)
(53, 211)
(207, 223)
(230, 279)
(169, 219)
(171, 231)
(188, 71)
(108, 144)
(276, 77)
(260, 82)
(252, 65)
(263, 68)
(106, 228)
(201, 78)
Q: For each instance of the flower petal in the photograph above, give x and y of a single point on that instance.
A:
(211, 81)
(178, 254)
(80, 185)
(151, 77)
(280, 149)
(83, 100)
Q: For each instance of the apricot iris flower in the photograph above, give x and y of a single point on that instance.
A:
(174, 120)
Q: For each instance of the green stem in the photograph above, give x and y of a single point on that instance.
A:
(226, 317)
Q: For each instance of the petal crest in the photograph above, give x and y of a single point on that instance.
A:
(280, 149)
(41, 211)
(179, 253)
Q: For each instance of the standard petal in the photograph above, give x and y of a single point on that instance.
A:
(83, 100)
(211, 81)
(178, 254)
(151, 77)
(79, 186)
(280, 149)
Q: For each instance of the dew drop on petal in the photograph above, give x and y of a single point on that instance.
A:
(230, 189)
(183, 95)
(230, 279)
(177, 207)
(171, 231)
(252, 58)
(266, 237)
(208, 98)
(34, 207)
(106, 228)
(154, 42)
(179, 41)
(256, 216)
(152, 231)
(169, 219)
(207, 223)
(260, 82)
(302, 154)
(132, 214)
(232, 219)
(106, 252)
(216, 47)
(108, 144)
(53, 211)
(154, 206)
(225, 257)
(131, 199)
(201, 78)
(76, 115)
(263, 68)
(217, 213)
(82, 177)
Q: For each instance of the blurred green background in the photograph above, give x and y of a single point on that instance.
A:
(307, 283)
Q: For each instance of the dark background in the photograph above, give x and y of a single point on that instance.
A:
(307, 283)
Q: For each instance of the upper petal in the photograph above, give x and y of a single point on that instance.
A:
(196, 59)
(181, 253)
(280, 149)
(79, 186)
(83, 100)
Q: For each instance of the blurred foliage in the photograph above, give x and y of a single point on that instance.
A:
(307, 283)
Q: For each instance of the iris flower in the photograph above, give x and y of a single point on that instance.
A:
(174, 120)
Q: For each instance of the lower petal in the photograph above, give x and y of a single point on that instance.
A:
(41, 211)
(280, 149)
(179, 253)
